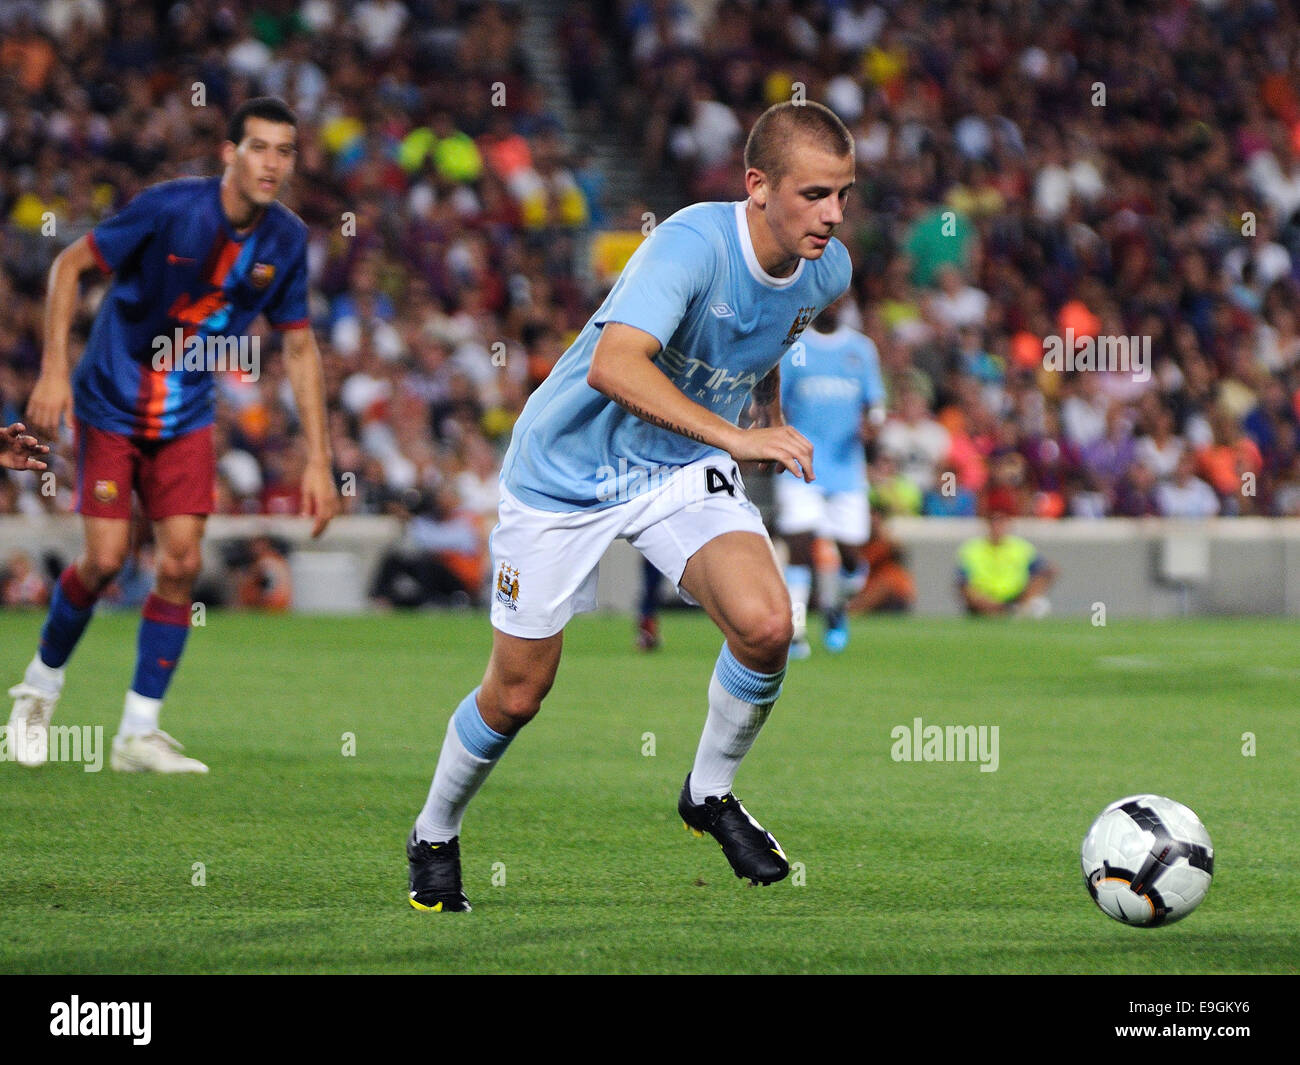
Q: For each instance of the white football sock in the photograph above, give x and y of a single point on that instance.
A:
(456, 780)
(733, 724)
(139, 715)
(47, 678)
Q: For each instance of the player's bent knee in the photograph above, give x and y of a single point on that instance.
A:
(102, 565)
(182, 568)
(766, 635)
(519, 704)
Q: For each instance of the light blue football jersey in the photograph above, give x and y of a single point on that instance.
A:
(826, 380)
(722, 322)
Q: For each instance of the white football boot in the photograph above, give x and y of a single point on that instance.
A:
(29, 723)
(154, 752)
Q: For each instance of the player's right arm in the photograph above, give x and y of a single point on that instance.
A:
(51, 399)
(623, 368)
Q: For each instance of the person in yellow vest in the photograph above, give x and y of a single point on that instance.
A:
(1003, 574)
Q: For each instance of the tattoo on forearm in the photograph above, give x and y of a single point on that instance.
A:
(654, 419)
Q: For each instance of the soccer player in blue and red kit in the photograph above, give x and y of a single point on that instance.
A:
(191, 260)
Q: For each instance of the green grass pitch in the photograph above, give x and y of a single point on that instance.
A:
(575, 860)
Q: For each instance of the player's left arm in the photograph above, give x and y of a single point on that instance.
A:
(320, 498)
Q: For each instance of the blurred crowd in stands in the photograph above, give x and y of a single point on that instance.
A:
(1116, 169)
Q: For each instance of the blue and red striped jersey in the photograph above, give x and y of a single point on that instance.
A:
(181, 271)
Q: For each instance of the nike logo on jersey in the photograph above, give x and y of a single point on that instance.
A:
(172, 260)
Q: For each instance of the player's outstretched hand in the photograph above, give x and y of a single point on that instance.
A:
(18, 448)
(51, 400)
(320, 499)
(781, 444)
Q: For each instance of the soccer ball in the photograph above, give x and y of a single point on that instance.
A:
(1147, 860)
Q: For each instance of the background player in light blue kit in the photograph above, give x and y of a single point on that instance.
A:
(830, 390)
(634, 435)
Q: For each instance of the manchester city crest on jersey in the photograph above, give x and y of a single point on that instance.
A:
(508, 586)
(261, 275)
(799, 324)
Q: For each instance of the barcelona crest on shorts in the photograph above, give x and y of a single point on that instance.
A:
(799, 324)
(508, 586)
(261, 275)
(105, 491)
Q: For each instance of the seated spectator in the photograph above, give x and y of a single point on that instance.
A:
(1227, 463)
(1135, 493)
(266, 583)
(958, 304)
(949, 498)
(890, 588)
(915, 440)
(440, 560)
(1159, 450)
(1007, 491)
(1003, 574)
(21, 585)
(1185, 495)
(1108, 457)
(891, 492)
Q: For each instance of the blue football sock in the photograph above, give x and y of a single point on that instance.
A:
(163, 629)
(71, 608)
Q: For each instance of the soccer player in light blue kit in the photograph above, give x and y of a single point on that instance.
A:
(830, 388)
(634, 434)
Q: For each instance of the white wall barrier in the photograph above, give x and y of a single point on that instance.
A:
(1135, 568)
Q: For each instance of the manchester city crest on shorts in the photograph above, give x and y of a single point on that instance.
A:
(261, 275)
(799, 324)
(105, 491)
(508, 586)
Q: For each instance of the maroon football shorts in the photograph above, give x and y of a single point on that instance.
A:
(171, 477)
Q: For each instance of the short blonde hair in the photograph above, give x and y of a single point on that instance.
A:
(781, 125)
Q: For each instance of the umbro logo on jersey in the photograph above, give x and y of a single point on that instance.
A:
(721, 310)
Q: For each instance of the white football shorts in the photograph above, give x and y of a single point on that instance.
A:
(844, 517)
(545, 563)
